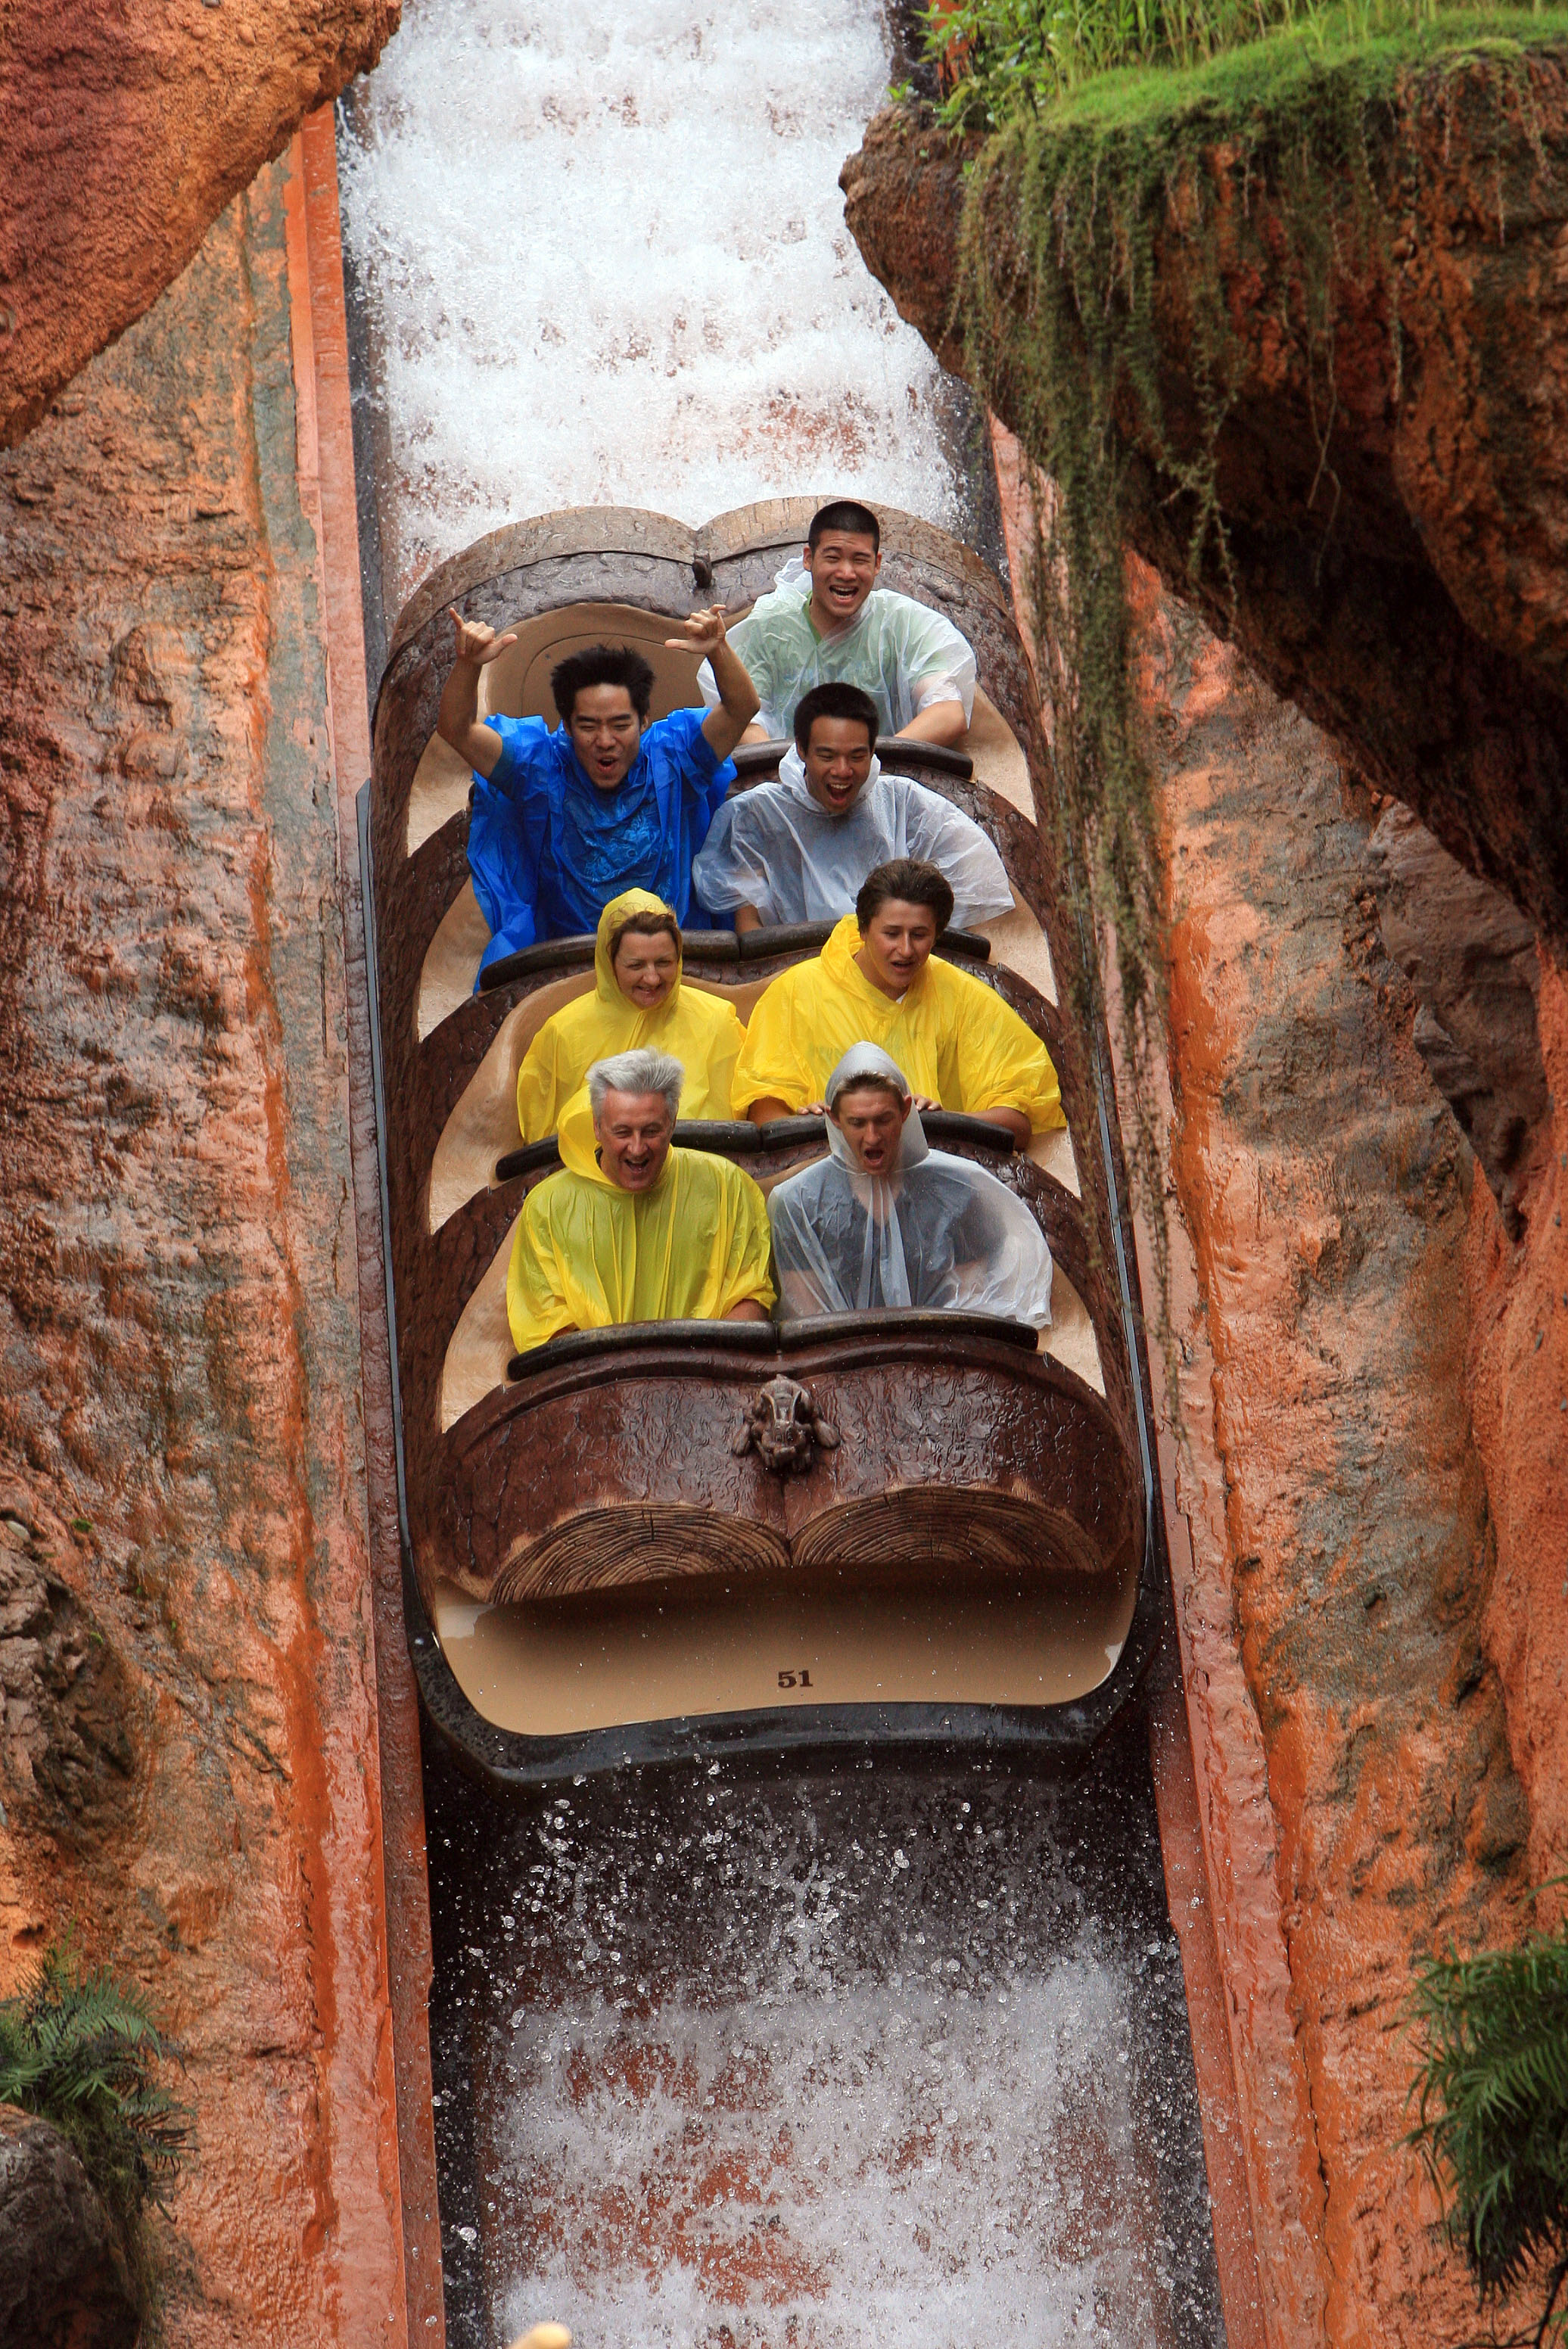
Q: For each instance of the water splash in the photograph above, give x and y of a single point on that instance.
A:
(823, 2066)
(604, 258)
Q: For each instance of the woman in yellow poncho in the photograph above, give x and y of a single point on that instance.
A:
(638, 1000)
(876, 981)
(631, 1229)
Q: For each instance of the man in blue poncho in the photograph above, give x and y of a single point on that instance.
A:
(561, 822)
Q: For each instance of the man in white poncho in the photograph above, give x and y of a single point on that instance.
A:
(826, 621)
(886, 1221)
(798, 850)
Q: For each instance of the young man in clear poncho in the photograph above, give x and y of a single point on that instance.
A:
(886, 1221)
(798, 850)
(826, 621)
(632, 1230)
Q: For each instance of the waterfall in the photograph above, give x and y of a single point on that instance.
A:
(602, 255)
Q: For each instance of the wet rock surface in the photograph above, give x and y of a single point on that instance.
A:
(1327, 1194)
(67, 1756)
(1405, 586)
(188, 1742)
(130, 124)
(1474, 972)
(1516, 1365)
(63, 2283)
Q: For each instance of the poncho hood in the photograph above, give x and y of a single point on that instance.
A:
(607, 988)
(862, 1061)
(700, 1030)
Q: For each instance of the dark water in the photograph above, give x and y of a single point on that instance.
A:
(878, 2057)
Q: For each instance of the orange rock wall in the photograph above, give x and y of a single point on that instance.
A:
(1324, 1196)
(129, 126)
(181, 1473)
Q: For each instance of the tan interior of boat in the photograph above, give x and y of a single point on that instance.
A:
(481, 1346)
(840, 1638)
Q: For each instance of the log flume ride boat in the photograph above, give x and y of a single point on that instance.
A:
(642, 1542)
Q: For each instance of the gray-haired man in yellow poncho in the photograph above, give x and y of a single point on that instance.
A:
(632, 1230)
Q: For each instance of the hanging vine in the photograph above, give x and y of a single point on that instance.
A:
(1100, 235)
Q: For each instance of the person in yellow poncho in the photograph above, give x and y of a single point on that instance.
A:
(875, 981)
(631, 1229)
(638, 999)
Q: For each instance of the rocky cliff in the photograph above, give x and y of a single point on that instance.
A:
(187, 1679)
(1370, 1075)
(129, 126)
(1393, 476)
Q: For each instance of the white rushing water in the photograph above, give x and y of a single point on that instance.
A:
(604, 260)
(843, 2168)
(884, 2063)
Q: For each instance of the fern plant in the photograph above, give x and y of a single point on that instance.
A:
(78, 2050)
(1493, 2127)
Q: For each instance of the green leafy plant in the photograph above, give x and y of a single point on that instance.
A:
(1493, 2119)
(78, 2050)
(1145, 159)
(1000, 57)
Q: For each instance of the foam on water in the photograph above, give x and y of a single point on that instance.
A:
(604, 257)
(725, 2066)
(835, 2171)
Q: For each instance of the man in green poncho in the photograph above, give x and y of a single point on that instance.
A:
(827, 622)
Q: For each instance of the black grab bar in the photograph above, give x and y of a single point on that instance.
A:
(739, 1138)
(761, 758)
(708, 946)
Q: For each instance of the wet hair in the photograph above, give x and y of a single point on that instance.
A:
(866, 1080)
(834, 701)
(913, 883)
(844, 514)
(645, 924)
(601, 665)
(642, 1071)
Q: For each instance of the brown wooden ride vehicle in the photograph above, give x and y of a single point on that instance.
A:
(684, 1536)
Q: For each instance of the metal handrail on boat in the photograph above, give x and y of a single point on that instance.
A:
(754, 1338)
(761, 758)
(708, 946)
(737, 1138)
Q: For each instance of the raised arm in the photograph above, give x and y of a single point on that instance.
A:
(458, 720)
(739, 700)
